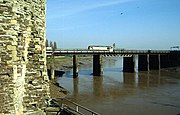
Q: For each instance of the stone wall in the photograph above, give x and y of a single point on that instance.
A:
(23, 73)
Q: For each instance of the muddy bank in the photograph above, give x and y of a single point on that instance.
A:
(57, 91)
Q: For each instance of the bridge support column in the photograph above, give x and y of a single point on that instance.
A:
(178, 59)
(52, 73)
(154, 62)
(75, 66)
(97, 65)
(164, 61)
(51, 77)
(174, 59)
(143, 62)
(129, 64)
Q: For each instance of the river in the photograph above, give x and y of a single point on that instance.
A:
(118, 93)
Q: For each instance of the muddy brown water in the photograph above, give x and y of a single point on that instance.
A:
(118, 93)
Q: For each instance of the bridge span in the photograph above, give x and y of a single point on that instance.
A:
(101, 52)
(147, 59)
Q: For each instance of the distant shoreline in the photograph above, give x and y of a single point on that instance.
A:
(65, 62)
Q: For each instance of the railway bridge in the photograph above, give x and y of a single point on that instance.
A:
(147, 59)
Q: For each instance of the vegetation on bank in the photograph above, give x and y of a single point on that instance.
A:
(53, 45)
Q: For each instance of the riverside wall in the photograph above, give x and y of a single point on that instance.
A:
(23, 73)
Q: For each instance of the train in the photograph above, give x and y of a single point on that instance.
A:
(49, 48)
(101, 48)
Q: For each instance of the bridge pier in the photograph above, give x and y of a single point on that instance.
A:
(154, 62)
(129, 64)
(178, 59)
(174, 59)
(97, 65)
(164, 61)
(149, 62)
(75, 66)
(143, 62)
(52, 73)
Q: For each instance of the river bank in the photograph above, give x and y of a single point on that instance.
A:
(57, 91)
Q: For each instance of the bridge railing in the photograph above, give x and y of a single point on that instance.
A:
(72, 106)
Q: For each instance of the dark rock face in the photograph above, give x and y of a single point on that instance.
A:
(57, 73)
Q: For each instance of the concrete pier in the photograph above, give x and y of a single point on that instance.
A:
(178, 59)
(97, 65)
(154, 62)
(143, 63)
(75, 66)
(174, 59)
(129, 64)
(52, 73)
(164, 61)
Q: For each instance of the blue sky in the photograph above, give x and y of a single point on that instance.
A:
(130, 24)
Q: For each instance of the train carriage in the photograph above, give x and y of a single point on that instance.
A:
(101, 48)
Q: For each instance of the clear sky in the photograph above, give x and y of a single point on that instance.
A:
(130, 24)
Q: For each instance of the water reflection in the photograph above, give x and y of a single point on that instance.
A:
(98, 90)
(76, 87)
(149, 79)
(106, 86)
(129, 78)
(117, 92)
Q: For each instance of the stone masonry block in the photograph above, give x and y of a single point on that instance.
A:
(22, 39)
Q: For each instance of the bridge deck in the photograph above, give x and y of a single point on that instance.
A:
(116, 52)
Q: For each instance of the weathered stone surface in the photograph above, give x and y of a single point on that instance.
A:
(22, 56)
